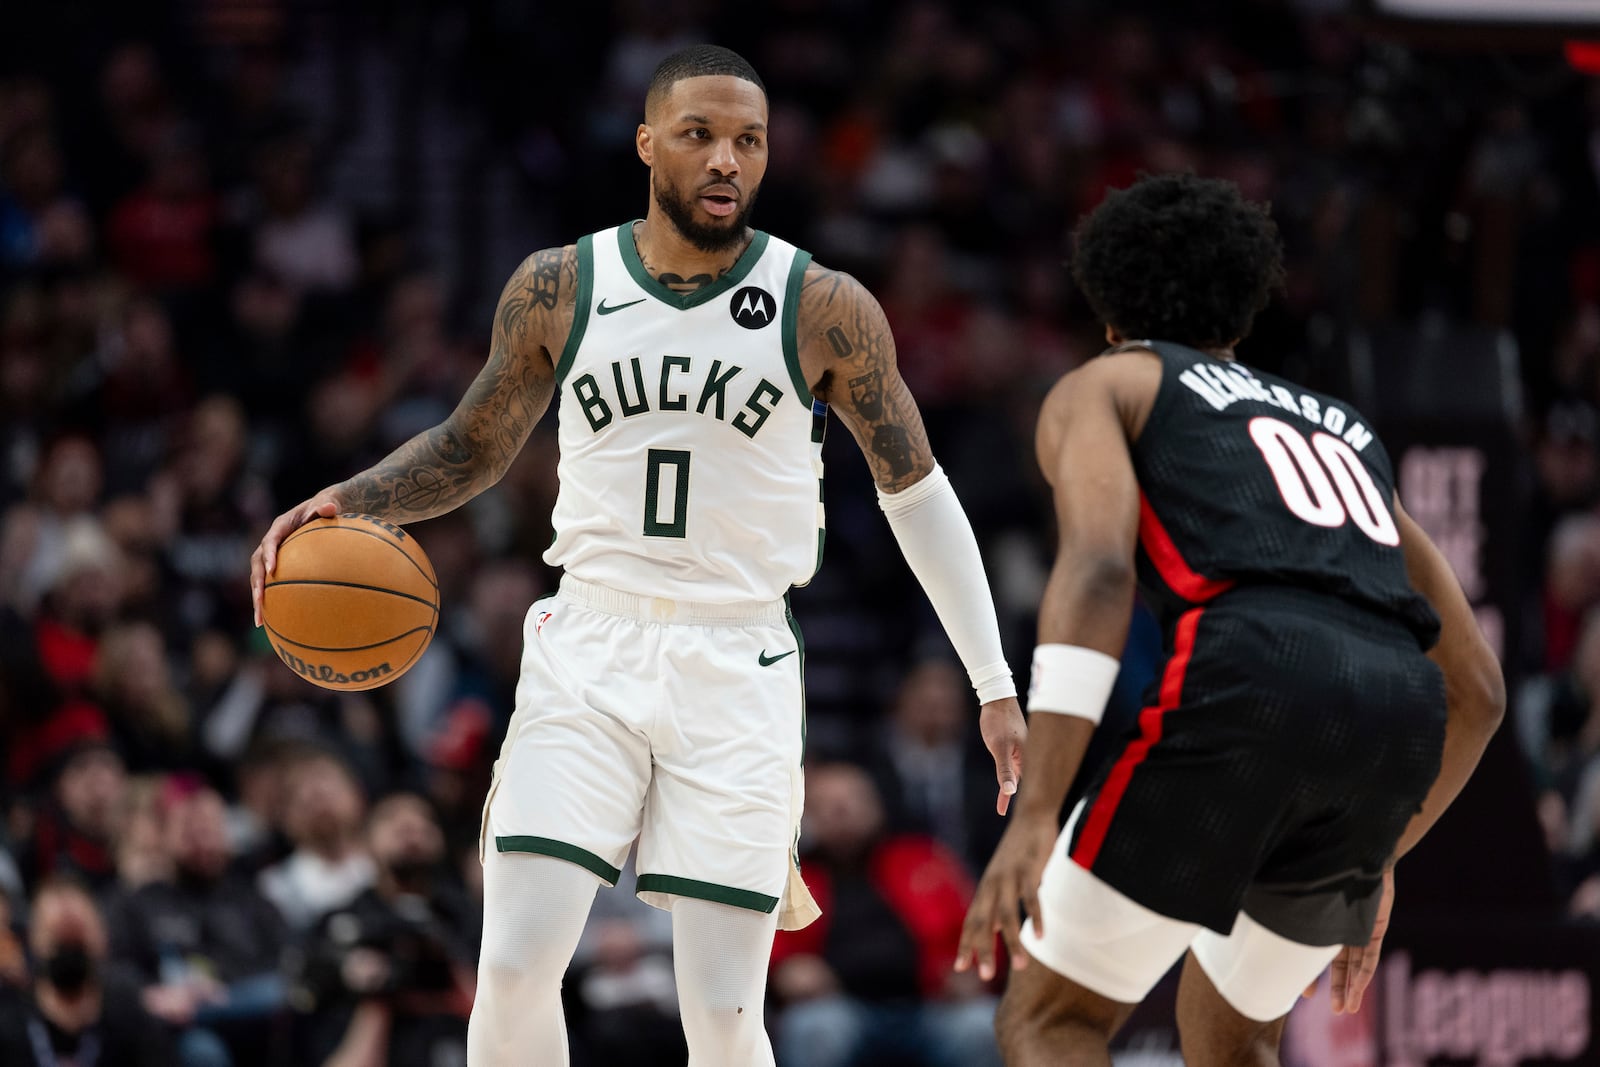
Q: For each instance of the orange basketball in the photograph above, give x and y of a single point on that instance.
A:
(352, 604)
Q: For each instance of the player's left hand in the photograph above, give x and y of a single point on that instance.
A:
(1004, 731)
(1012, 877)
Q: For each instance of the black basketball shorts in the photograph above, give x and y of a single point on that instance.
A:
(1283, 748)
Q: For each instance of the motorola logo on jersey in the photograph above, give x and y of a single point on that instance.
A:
(752, 307)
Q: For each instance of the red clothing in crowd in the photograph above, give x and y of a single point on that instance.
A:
(922, 881)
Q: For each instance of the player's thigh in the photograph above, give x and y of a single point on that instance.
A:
(573, 771)
(723, 807)
(1212, 1031)
(1097, 936)
(1237, 990)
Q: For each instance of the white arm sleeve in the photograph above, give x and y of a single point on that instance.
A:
(937, 541)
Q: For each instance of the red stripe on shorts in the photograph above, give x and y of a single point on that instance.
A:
(1174, 569)
(1098, 820)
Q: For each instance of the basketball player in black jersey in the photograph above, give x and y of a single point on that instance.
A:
(1326, 691)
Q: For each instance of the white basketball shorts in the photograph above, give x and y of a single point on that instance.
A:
(1117, 947)
(679, 724)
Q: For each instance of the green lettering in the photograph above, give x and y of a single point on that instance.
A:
(742, 420)
(595, 408)
(638, 407)
(681, 401)
(717, 387)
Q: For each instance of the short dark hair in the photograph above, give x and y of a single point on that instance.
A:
(698, 61)
(1180, 258)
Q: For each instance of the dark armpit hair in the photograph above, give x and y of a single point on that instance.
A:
(1178, 258)
(698, 61)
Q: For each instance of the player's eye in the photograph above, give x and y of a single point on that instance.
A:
(699, 133)
(750, 140)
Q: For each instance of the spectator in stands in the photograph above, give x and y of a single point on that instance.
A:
(78, 1009)
(330, 865)
(871, 980)
(161, 235)
(65, 491)
(1572, 584)
(143, 394)
(141, 852)
(76, 831)
(305, 242)
(150, 723)
(83, 598)
(389, 977)
(203, 941)
(210, 504)
(38, 222)
(932, 774)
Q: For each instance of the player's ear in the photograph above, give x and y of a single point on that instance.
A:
(643, 143)
(1112, 336)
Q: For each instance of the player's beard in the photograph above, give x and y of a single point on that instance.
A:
(716, 236)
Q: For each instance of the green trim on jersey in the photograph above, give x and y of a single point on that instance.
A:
(791, 321)
(718, 894)
(580, 313)
(800, 643)
(561, 850)
(684, 301)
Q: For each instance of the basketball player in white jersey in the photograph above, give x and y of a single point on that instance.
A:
(695, 360)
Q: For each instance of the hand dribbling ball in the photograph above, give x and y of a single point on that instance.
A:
(352, 603)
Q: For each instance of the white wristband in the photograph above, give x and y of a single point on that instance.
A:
(1071, 680)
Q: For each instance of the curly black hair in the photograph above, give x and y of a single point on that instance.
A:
(1179, 258)
(696, 61)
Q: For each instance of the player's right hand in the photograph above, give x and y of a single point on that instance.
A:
(264, 560)
(1013, 877)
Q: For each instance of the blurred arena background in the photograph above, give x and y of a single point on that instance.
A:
(247, 246)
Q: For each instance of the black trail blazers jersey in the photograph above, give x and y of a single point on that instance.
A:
(1247, 479)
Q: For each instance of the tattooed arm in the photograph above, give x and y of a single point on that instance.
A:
(847, 351)
(444, 467)
(449, 464)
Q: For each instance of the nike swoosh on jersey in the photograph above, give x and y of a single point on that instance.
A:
(767, 661)
(603, 310)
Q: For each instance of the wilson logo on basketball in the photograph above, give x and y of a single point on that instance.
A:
(324, 674)
(399, 534)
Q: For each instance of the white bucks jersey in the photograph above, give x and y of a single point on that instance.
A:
(691, 448)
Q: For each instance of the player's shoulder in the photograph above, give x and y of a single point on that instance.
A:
(1126, 373)
(537, 302)
(838, 316)
(558, 263)
(823, 287)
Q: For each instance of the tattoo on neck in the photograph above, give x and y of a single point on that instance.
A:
(679, 284)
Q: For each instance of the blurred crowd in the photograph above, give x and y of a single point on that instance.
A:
(249, 246)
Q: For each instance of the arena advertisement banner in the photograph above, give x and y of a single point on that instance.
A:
(1448, 993)
(1460, 482)
(1459, 992)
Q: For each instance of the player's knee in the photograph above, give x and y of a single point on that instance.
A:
(510, 968)
(726, 1011)
(723, 1029)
